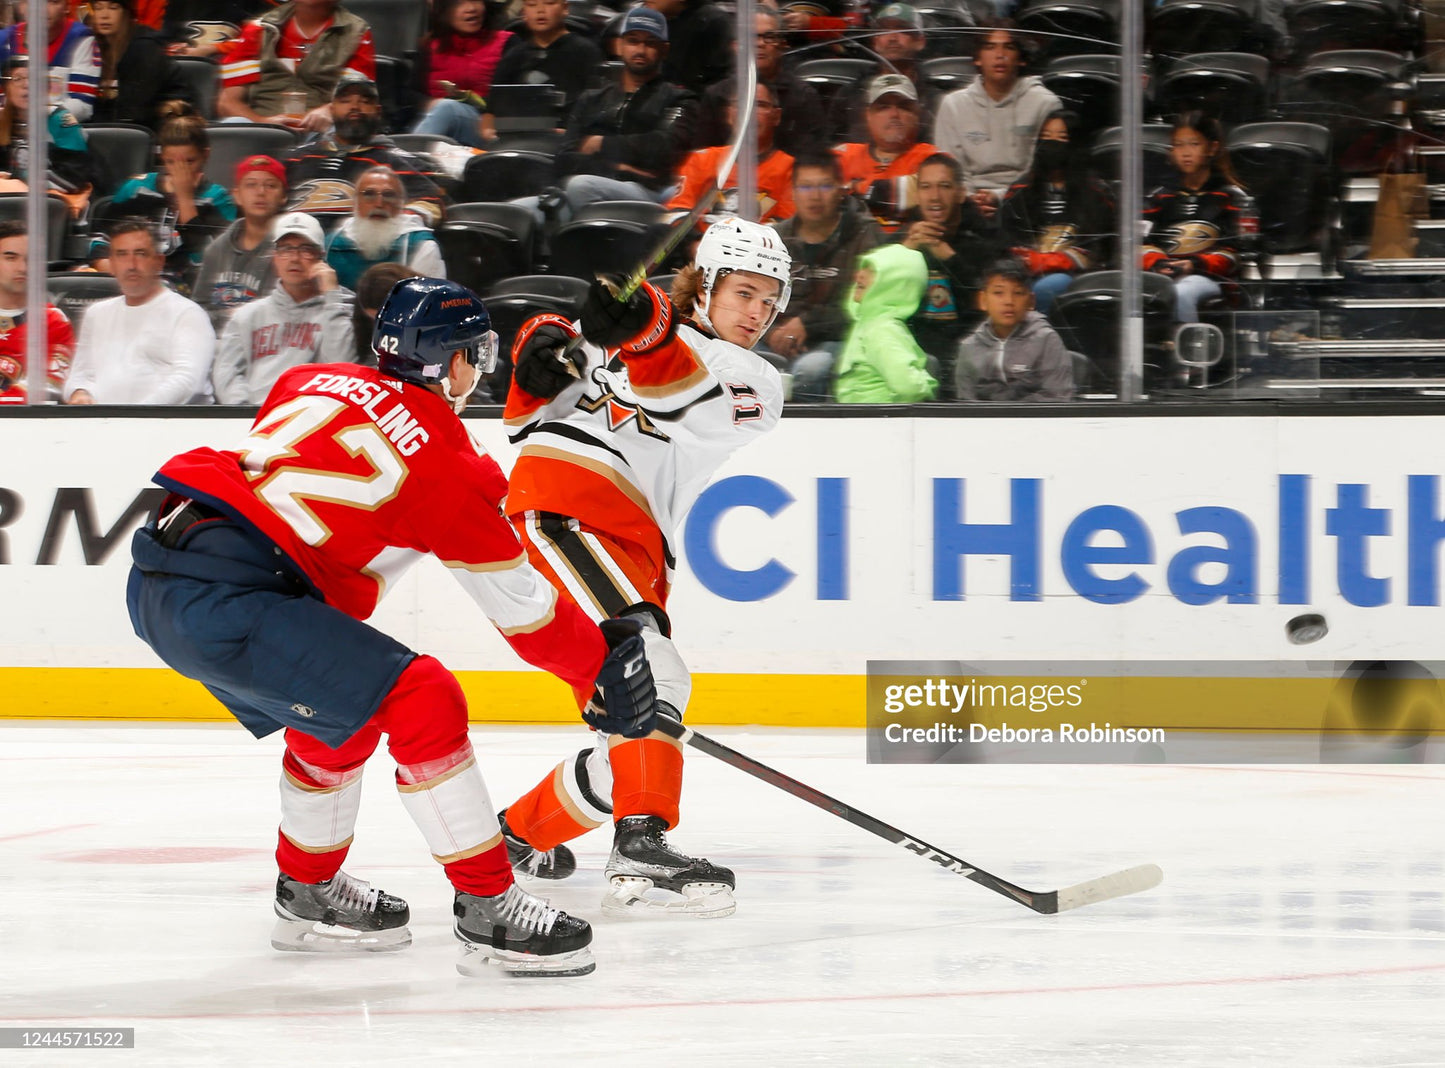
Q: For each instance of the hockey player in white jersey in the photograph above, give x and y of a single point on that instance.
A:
(617, 439)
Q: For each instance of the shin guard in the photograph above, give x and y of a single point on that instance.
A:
(448, 801)
(318, 819)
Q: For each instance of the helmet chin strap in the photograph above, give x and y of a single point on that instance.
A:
(457, 403)
(700, 307)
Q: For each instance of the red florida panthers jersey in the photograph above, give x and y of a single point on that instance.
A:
(60, 341)
(355, 476)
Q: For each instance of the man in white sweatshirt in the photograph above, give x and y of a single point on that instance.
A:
(991, 124)
(147, 346)
(305, 319)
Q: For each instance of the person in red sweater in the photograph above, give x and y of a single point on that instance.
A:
(461, 57)
(59, 338)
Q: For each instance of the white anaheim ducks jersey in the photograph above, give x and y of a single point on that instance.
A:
(629, 447)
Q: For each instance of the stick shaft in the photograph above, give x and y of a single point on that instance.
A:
(1047, 902)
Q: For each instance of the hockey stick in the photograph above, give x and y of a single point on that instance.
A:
(684, 226)
(1119, 884)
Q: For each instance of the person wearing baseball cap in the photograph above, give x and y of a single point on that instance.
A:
(897, 41)
(626, 138)
(237, 267)
(882, 169)
(306, 318)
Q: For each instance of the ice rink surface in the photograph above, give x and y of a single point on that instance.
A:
(1301, 920)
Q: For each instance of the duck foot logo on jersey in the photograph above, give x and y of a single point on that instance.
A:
(619, 412)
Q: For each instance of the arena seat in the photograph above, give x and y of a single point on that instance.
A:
(525, 108)
(947, 73)
(479, 251)
(123, 150)
(57, 220)
(1087, 317)
(1181, 27)
(832, 75)
(1070, 27)
(1318, 25)
(606, 237)
(231, 142)
(203, 78)
(1350, 92)
(503, 174)
(75, 291)
(1088, 85)
(1231, 86)
(1157, 167)
(1286, 168)
(396, 25)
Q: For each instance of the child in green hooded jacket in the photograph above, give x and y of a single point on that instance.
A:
(880, 362)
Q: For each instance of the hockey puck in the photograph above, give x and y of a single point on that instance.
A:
(1302, 630)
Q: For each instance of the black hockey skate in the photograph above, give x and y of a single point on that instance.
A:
(642, 860)
(521, 934)
(343, 914)
(555, 863)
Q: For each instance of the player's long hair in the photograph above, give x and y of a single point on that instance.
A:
(686, 288)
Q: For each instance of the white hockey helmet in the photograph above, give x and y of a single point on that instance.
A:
(734, 244)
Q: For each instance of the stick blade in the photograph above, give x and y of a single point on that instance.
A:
(1120, 884)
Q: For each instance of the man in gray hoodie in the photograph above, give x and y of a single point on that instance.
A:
(1014, 355)
(991, 124)
(305, 319)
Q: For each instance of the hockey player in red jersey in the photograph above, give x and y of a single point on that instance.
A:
(14, 324)
(265, 559)
(616, 440)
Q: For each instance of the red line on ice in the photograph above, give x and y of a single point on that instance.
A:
(723, 1003)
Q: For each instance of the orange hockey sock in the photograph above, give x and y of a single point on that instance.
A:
(646, 776)
(559, 808)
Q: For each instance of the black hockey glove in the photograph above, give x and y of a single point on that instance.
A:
(638, 324)
(539, 364)
(628, 697)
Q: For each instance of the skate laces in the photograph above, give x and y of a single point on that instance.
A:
(538, 860)
(521, 909)
(346, 891)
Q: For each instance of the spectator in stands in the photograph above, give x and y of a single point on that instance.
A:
(882, 169)
(188, 209)
(956, 242)
(1057, 218)
(305, 47)
(880, 362)
(148, 13)
(625, 139)
(825, 237)
(59, 339)
(898, 42)
(700, 36)
(305, 319)
(461, 55)
(72, 50)
(1014, 355)
(322, 172)
(371, 294)
(71, 170)
(148, 345)
(698, 174)
(550, 54)
(818, 21)
(1194, 218)
(203, 28)
(990, 125)
(238, 267)
(801, 123)
(139, 82)
(379, 231)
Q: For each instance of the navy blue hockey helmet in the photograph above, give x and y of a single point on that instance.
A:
(423, 321)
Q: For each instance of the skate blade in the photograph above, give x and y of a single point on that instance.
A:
(308, 936)
(627, 896)
(478, 960)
